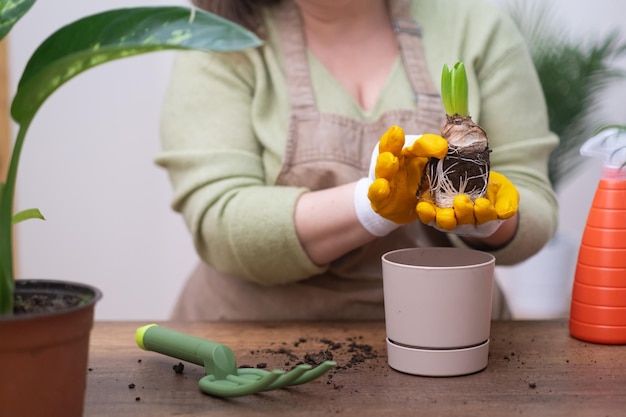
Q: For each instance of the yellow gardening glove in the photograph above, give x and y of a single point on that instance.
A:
(480, 218)
(397, 172)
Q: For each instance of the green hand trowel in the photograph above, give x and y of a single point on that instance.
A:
(223, 378)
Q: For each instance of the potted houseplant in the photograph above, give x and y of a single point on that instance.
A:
(45, 325)
(573, 74)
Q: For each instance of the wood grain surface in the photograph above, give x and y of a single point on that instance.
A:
(535, 369)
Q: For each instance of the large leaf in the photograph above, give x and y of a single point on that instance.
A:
(10, 12)
(116, 34)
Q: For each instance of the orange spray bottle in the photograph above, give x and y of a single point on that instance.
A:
(598, 309)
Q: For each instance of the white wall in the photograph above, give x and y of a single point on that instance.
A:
(88, 165)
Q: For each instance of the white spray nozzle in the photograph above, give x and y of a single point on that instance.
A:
(610, 146)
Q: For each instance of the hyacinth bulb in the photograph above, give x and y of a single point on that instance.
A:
(465, 168)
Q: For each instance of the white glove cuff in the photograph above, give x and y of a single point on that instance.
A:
(371, 221)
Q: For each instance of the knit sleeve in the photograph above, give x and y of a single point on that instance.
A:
(241, 224)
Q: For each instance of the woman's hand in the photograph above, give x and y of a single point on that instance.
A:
(479, 218)
(396, 173)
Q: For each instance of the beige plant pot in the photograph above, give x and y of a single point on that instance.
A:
(438, 310)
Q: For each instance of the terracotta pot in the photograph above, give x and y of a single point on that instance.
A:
(43, 357)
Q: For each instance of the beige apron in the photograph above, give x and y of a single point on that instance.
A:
(325, 150)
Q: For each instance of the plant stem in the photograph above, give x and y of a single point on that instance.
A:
(7, 280)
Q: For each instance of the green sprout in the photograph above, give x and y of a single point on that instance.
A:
(454, 90)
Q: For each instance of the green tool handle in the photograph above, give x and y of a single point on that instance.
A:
(218, 359)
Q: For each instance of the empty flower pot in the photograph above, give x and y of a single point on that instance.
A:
(438, 310)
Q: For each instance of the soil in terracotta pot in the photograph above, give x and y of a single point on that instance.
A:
(44, 303)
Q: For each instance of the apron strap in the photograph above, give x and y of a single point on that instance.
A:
(295, 60)
(409, 34)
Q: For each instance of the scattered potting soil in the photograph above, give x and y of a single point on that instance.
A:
(179, 368)
(348, 354)
(44, 303)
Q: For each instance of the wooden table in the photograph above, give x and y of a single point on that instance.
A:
(535, 369)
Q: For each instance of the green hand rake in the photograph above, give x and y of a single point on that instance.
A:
(223, 378)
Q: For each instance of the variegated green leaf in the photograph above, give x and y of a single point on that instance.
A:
(116, 34)
(10, 12)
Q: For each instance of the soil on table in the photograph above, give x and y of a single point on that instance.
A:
(349, 353)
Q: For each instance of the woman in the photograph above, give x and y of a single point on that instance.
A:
(265, 147)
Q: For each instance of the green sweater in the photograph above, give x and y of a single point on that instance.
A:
(225, 118)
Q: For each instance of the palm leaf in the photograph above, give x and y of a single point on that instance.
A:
(573, 74)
